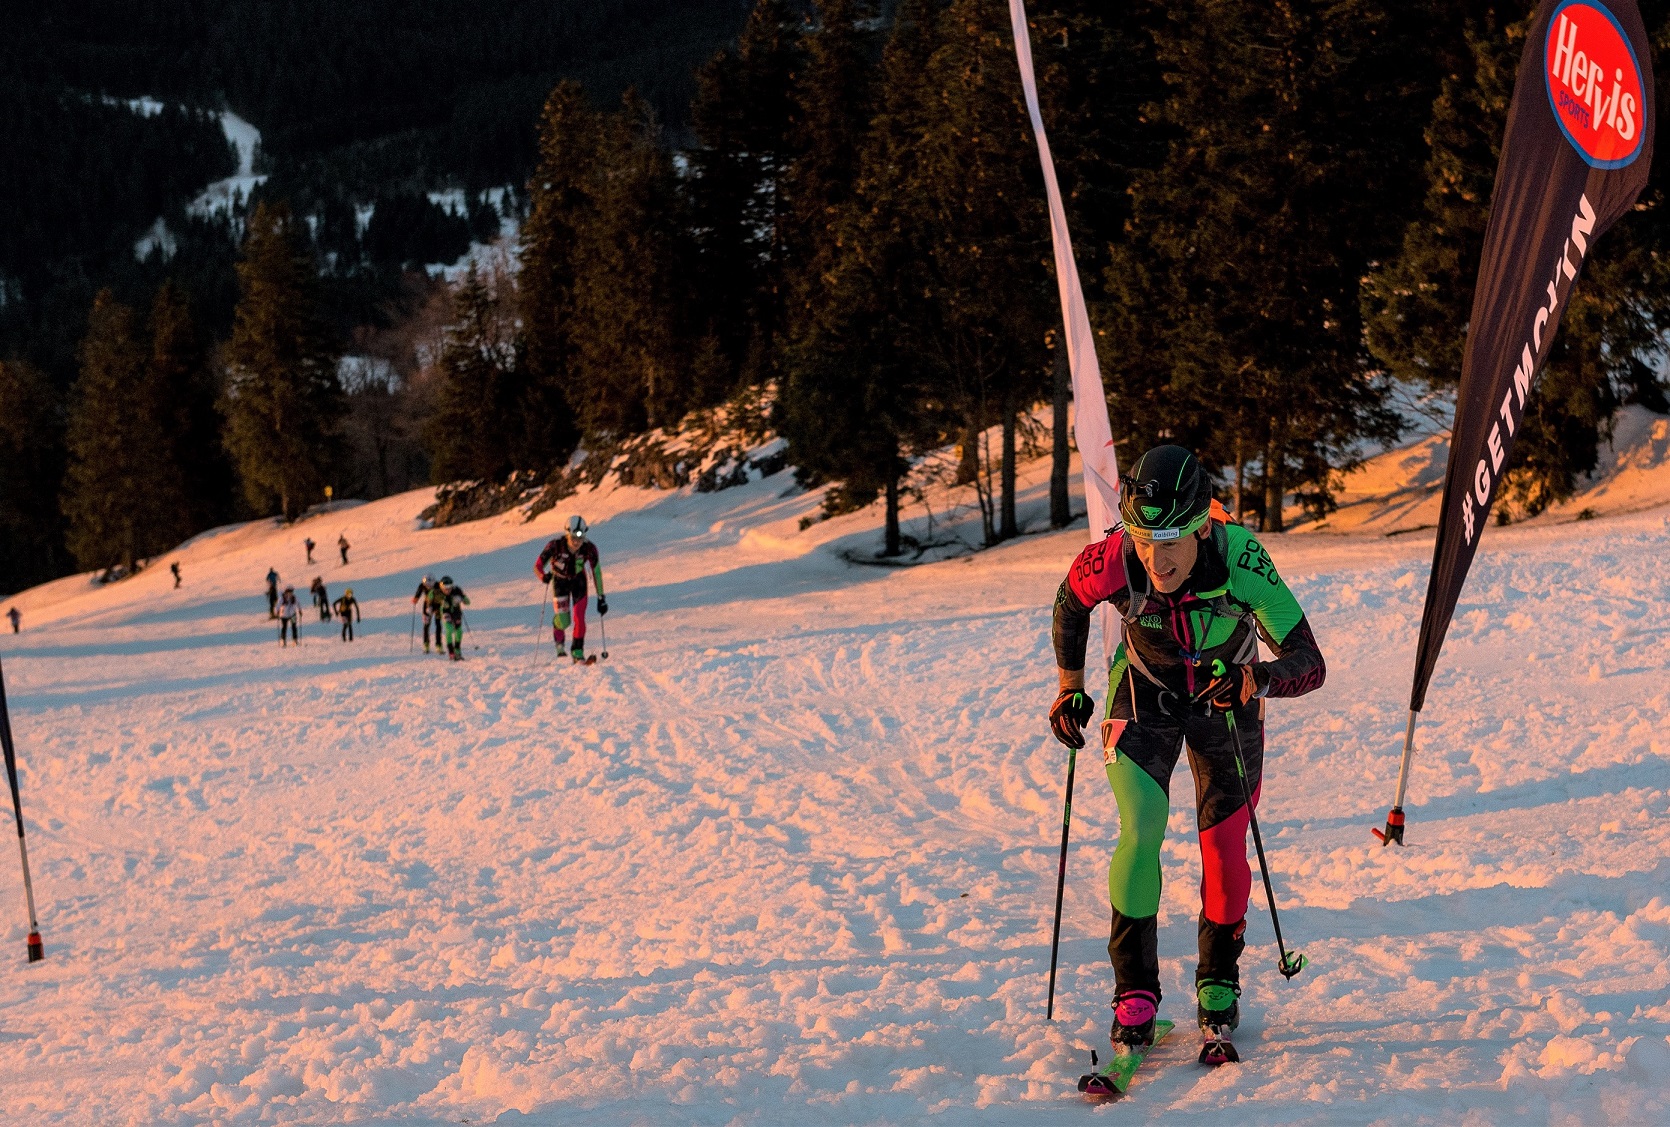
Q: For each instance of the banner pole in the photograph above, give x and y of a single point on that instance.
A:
(37, 950)
(1394, 819)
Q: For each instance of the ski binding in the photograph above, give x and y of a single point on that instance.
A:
(1105, 1081)
(1218, 1048)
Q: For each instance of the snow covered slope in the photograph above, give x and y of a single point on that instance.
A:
(1399, 491)
(788, 856)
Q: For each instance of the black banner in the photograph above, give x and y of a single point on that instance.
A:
(1578, 147)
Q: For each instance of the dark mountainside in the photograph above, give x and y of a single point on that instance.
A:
(355, 102)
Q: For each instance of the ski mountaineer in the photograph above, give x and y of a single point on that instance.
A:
(342, 546)
(1196, 593)
(434, 606)
(453, 602)
(348, 609)
(425, 588)
(321, 598)
(289, 616)
(17, 618)
(562, 564)
(309, 545)
(272, 593)
(175, 568)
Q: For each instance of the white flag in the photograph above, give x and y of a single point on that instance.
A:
(1091, 429)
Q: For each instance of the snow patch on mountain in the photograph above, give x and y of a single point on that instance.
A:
(223, 195)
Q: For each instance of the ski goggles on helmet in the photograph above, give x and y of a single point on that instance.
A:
(1155, 514)
(1163, 535)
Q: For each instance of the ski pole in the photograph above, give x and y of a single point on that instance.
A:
(546, 610)
(603, 628)
(468, 629)
(1061, 878)
(37, 951)
(1289, 965)
(411, 632)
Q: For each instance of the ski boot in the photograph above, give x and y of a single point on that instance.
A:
(578, 653)
(1133, 1021)
(1218, 1010)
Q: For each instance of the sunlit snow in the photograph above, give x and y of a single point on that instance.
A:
(788, 856)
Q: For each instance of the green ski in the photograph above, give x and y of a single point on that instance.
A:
(1112, 1078)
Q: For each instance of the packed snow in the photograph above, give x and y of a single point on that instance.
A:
(788, 855)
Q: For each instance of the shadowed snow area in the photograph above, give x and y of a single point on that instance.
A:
(789, 854)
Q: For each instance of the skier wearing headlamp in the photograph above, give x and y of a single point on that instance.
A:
(1196, 593)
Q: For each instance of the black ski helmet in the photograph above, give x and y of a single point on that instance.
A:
(1166, 496)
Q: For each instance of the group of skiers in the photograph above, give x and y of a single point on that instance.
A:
(561, 567)
(443, 605)
(1196, 593)
(287, 609)
(342, 547)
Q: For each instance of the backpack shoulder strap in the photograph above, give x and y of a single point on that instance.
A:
(1139, 595)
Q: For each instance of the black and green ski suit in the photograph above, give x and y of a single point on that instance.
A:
(1232, 600)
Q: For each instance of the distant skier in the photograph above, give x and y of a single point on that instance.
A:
(562, 564)
(17, 619)
(435, 606)
(175, 568)
(289, 617)
(347, 609)
(321, 599)
(428, 593)
(1196, 593)
(453, 602)
(272, 593)
(309, 545)
(342, 546)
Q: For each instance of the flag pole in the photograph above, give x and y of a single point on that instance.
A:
(37, 950)
(1394, 818)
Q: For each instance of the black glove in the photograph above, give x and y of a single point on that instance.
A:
(1072, 710)
(1230, 686)
(602, 605)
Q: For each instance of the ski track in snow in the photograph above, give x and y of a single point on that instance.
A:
(789, 854)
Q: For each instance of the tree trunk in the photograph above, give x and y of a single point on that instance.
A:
(1274, 483)
(892, 546)
(1061, 508)
(1008, 527)
(968, 456)
(983, 493)
(1240, 472)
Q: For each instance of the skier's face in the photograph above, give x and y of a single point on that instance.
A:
(1168, 562)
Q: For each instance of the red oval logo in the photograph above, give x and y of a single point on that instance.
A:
(1594, 84)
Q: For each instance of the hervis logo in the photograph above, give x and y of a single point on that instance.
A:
(1594, 84)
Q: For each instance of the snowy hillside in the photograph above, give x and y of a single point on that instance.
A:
(788, 855)
(1399, 491)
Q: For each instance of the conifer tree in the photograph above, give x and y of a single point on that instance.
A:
(1236, 300)
(833, 106)
(975, 201)
(744, 119)
(282, 391)
(121, 495)
(179, 370)
(635, 360)
(857, 402)
(558, 204)
(31, 471)
(478, 390)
